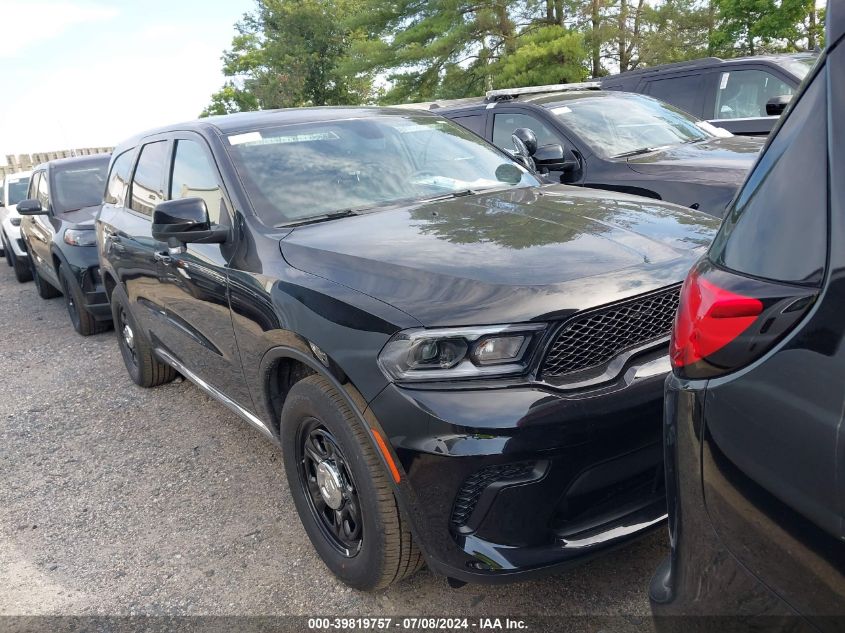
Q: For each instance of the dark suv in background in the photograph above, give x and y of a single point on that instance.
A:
(58, 231)
(754, 431)
(459, 364)
(744, 95)
(614, 141)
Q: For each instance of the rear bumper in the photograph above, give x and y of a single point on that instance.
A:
(508, 483)
(701, 578)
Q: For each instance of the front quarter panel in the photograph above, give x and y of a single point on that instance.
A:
(275, 305)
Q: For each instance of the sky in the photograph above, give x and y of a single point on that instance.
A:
(90, 73)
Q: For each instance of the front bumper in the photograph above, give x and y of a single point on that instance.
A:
(511, 482)
(85, 267)
(13, 235)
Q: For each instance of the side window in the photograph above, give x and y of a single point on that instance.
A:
(43, 193)
(194, 177)
(686, 93)
(473, 122)
(744, 93)
(504, 124)
(146, 184)
(33, 186)
(119, 179)
(777, 230)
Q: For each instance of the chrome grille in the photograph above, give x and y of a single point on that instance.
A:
(595, 338)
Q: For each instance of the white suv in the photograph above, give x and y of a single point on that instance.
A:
(14, 190)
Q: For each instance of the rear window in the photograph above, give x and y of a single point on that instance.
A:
(17, 190)
(777, 227)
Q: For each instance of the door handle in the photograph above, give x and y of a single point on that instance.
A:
(162, 257)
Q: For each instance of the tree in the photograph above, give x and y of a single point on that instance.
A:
(455, 48)
(750, 27)
(286, 54)
(548, 55)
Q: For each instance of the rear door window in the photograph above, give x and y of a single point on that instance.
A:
(777, 227)
(686, 92)
(149, 174)
(474, 123)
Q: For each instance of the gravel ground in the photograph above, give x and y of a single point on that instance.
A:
(115, 500)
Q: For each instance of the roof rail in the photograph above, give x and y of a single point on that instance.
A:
(689, 62)
(511, 93)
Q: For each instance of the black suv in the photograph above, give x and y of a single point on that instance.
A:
(744, 95)
(458, 363)
(58, 232)
(754, 432)
(615, 141)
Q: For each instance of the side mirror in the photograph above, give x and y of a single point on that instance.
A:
(776, 105)
(525, 141)
(524, 144)
(554, 158)
(30, 207)
(185, 221)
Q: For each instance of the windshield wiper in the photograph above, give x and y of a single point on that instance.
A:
(324, 217)
(637, 152)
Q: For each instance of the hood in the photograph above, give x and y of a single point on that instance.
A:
(730, 157)
(503, 257)
(82, 218)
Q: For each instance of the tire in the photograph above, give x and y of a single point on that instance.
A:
(82, 320)
(44, 289)
(143, 367)
(373, 547)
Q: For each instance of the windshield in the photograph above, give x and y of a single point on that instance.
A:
(617, 124)
(798, 66)
(17, 190)
(296, 172)
(79, 185)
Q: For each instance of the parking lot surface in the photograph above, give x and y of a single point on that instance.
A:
(115, 500)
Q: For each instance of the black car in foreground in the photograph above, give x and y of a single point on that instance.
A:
(461, 366)
(744, 95)
(616, 141)
(754, 432)
(58, 231)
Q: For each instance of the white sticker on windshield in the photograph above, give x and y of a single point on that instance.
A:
(257, 139)
(247, 137)
(724, 82)
(561, 110)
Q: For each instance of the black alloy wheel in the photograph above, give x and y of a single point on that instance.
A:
(342, 490)
(328, 485)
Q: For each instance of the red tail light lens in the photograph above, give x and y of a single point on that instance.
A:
(708, 318)
(725, 321)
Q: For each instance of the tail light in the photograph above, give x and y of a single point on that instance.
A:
(725, 320)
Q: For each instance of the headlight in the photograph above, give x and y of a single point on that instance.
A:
(80, 237)
(456, 353)
(15, 221)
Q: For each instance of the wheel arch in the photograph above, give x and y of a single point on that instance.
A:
(283, 366)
